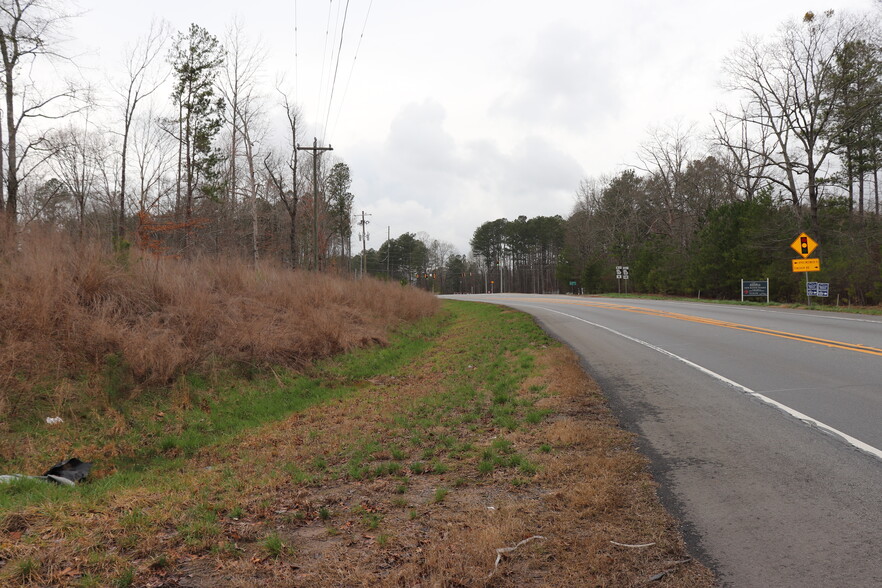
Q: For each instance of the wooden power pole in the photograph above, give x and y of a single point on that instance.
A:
(316, 151)
(364, 238)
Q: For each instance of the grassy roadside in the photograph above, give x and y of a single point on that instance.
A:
(409, 465)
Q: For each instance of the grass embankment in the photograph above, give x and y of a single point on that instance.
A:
(114, 343)
(471, 431)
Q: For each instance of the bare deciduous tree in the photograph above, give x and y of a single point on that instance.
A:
(788, 84)
(246, 117)
(27, 34)
(143, 78)
(665, 156)
(154, 157)
(290, 197)
(239, 79)
(74, 163)
(745, 149)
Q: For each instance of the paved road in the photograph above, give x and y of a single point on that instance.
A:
(763, 426)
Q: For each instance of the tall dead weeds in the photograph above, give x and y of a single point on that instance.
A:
(64, 309)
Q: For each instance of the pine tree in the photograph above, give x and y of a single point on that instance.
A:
(196, 59)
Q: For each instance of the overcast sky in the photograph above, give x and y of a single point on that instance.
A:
(463, 111)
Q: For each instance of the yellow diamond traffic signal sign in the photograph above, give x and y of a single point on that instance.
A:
(804, 245)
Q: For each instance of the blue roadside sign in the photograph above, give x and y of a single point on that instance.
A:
(819, 289)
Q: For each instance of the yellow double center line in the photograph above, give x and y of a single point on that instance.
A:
(737, 326)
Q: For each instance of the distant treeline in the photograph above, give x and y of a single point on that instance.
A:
(701, 211)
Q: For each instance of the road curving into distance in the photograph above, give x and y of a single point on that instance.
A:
(763, 426)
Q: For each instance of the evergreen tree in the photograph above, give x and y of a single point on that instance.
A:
(857, 111)
(196, 59)
(340, 206)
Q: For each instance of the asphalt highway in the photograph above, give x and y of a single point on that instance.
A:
(763, 426)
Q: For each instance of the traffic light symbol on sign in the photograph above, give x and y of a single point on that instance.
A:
(803, 245)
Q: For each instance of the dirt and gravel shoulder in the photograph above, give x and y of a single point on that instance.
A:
(492, 437)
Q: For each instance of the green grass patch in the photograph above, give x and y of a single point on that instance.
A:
(159, 433)
(272, 545)
(440, 495)
(536, 416)
(371, 520)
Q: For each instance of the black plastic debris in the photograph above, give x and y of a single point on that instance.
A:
(72, 469)
(64, 473)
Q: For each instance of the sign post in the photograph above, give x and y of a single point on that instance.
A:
(808, 296)
(622, 274)
(804, 245)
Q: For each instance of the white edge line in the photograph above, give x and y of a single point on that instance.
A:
(857, 443)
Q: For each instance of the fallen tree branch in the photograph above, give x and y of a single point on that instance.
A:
(502, 550)
(635, 545)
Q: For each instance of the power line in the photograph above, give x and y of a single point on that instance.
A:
(352, 69)
(333, 46)
(327, 90)
(296, 68)
(324, 58)
(336, 67)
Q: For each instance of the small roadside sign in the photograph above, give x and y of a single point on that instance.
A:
(806, 265)
(572, 283)
(804, 245)
(819, 289)
(755, 288)
(622, 274)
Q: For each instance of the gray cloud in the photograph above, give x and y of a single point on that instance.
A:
(420, 179)
(568, 80)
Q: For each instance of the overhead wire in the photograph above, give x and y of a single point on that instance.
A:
(327, 81)
(296, 68)
(352, 68)
(336, 69)
(322, 76)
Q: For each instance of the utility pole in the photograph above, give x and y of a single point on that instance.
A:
(388, 250)
(316, 151)
(364, 238)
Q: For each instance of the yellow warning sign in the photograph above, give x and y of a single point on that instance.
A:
(806, 265)
(804, 245)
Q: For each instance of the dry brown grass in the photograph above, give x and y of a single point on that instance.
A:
(64, 310)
